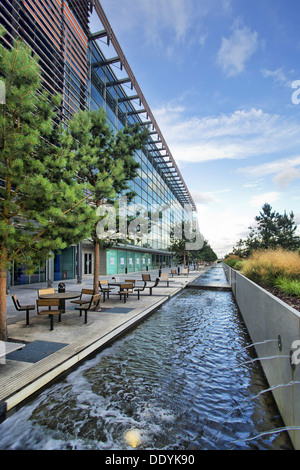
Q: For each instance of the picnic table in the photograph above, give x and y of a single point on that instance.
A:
(62, 297)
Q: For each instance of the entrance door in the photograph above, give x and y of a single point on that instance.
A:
(88, 263)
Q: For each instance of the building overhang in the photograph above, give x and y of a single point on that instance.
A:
(107, 31)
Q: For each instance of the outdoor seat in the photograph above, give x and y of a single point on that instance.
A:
(49, 303)
(154, 285)
(125, 289)
(22, 308)
(173, 271)
(185, 271)
(91, 305)
(103, 285)
(81, 299)
(139, 289)
(164, 277)
(146, 277)
(130, 281)
(49, 290)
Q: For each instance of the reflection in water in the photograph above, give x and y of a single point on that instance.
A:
(177, 383)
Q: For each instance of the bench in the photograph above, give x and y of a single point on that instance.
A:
(22, 308)
(164, 277)
(91, 305)
(49, 290)
(81, 299)
(104, 288)
(154, 285)
(139, 289)
(49, 303)
(125, 289)
(173, 271)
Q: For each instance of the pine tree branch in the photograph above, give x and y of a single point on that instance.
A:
(40, 234)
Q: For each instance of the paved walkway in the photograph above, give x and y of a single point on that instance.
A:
(47, 354)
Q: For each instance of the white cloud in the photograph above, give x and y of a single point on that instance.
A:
(260, 199)
(236, 50)
(222, 228)
(278, 76)
(285, 171)
(202, 198)
(283, 180)
(239, 135)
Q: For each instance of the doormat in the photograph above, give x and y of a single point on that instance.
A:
(35, 351)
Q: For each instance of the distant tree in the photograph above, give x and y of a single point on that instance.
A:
(272, 230)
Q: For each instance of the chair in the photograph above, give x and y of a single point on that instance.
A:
(146, 277)
(185, 271)
(81, 300)
(165, 277)
(91, 305)
(130, 281)
(139, 289)
(154, 285)
(125, 289)
(49, 303)
(46, 291)
(104, 289)
(173, 271)
(22, 308)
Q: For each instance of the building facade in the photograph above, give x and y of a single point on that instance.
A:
(73, 63)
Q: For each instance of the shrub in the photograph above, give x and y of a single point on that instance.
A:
(266, 266)
(233, 261)
(288, 286)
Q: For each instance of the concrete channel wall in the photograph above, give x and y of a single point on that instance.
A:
(277, 325)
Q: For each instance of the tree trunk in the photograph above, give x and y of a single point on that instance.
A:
(3, 280)
(96, 266)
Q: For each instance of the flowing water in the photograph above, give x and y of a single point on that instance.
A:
(184, 379)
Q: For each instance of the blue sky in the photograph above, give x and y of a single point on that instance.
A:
(219, 76)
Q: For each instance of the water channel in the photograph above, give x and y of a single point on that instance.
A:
(182, 380)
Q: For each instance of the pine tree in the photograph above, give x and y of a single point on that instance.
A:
(40, 200)
(107, 163)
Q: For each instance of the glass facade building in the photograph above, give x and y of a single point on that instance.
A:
(73, 64)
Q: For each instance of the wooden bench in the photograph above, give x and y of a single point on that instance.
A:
(22, 308)
(154, 285)
(125, 290)
(164, 277)
(139, 289)
(50, 290)
(173, 271)
(49, 303)
(104, 288)
(81, 299)
(91, 305)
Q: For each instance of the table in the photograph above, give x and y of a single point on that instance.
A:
(62, 297)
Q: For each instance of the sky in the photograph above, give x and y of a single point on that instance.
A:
(222, 78)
